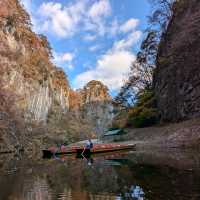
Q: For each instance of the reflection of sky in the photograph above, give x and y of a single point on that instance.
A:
(135, 193)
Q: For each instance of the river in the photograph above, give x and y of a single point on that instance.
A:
(148, 175)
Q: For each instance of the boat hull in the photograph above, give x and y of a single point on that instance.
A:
(80, 151)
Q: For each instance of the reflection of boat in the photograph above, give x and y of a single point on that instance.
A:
(78, 150)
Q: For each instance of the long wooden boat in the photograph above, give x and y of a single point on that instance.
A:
(97, 148)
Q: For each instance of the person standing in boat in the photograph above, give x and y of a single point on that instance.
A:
(88, 146)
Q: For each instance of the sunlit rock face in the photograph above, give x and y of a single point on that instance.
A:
(39, 92)
(95, 91)
(177, 75)
(94, 104)
(32, 85)
(26, 69)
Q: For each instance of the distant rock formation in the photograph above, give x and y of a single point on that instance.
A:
(95, 105)
(177, 76)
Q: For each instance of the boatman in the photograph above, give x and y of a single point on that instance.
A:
(88, 146)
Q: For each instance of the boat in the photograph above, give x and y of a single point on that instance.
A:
(80, 150)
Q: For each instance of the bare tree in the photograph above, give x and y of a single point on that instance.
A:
(141, 73)
(162, 14)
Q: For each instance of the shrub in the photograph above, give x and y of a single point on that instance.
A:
(144, 113)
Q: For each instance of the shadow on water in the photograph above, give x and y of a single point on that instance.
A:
(166, 175)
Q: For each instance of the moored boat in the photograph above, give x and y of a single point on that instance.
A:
(97, 148)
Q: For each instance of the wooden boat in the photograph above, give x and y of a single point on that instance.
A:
(79, 150)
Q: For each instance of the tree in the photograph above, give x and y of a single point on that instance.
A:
(162, 14)
(46, 45)
(22, 15)
(141, 73)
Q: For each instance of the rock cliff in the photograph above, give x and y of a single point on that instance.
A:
(90, 113)
(94, 105)
(177, 76)
(37, 93)
(25, 64)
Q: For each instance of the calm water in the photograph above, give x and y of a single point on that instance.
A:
(132, 175)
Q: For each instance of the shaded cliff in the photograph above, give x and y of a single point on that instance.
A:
(177, 76)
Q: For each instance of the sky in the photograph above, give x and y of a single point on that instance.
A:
(91, 39)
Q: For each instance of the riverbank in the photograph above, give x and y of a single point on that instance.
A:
(177, 135)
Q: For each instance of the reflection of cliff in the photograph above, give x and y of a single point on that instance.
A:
(74, 179)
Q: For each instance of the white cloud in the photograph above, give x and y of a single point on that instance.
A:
(111, 69)
(114, 28)
(99, 9)
(65, 21)
(128, 42)
(95, 48)
(63, 59)
(89, 37)
(86, 16)
(57, 19)
(129, 25)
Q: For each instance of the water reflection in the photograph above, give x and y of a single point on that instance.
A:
(128, 176)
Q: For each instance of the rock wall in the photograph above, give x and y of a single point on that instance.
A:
(26, 68)
(94, 105)
(29, 83)
(38, 93)
(177, 76)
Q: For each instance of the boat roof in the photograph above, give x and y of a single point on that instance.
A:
(113, 132)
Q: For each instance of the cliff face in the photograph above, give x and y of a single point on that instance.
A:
(28, 77)
(94, 106)
(37, 93)
(25, 64)
(177, 77)
(90, 113)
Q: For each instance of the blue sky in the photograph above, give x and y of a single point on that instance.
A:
(91, 39)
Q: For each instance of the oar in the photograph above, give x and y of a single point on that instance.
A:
(83, 151)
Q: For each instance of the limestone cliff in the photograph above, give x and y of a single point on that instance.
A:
(90, 114)
(27, 73)
(94, 105)
(26, 66)
(37, 104)
(177, 76)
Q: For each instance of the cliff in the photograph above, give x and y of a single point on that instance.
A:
(90, 114)
(37, 104)
(95, 106)
(177, 76)
(25, 64)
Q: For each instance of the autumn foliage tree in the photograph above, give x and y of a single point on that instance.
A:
(137, 92)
